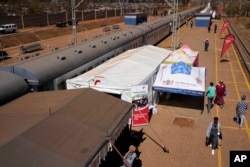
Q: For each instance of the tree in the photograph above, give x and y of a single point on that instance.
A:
(232, 9)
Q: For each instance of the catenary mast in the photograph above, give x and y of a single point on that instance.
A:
(175, 24)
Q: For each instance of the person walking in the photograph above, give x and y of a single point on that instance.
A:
(215, 28)
(206, 44)
(220, 93)
(210, 96)
(213, 134)
(241, 110)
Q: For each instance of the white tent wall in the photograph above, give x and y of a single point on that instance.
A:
(117, 76)
(173, 79)
(152, 95)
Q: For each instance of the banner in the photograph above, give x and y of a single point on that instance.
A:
(225, 25)
(140, 102)
(229, 39)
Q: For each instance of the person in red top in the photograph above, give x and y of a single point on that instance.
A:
(220, 93)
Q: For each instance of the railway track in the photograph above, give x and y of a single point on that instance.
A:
(241, 48)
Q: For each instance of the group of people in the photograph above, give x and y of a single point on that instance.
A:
(214, 134)
(191, 23)
(216, 94)
(209, 29)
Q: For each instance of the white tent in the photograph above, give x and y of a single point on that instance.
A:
(117, 76)
(185, 54)
(207, 9)
(181, 78)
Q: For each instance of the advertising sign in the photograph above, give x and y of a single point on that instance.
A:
(140, 102)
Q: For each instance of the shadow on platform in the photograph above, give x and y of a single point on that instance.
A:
(183, 101)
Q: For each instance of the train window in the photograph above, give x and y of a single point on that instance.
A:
(83, 71)
(90, 68)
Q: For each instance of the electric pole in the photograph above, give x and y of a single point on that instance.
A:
(74, 31)
(176, 23)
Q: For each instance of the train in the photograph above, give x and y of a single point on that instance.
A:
(50, 71)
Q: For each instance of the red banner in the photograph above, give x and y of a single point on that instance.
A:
(140, 116)
(229, 39)
(225, 25)
(140, 102)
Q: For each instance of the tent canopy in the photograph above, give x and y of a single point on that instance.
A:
(180, 78)
(118, 75)
(67, 130)
(185, 54)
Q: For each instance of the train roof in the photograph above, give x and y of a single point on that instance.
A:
(60, 128)
(11, 86)
(50, 66)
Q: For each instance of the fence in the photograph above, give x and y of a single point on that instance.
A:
(40, 20)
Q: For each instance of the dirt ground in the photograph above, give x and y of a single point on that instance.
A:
(29, 35)
(240, 23)
(35, 34)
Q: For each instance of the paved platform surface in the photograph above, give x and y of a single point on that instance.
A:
(186, 143)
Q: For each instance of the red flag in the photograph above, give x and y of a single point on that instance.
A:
(229, 39)
(225, 25)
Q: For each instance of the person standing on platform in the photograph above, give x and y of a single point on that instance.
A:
(206, 45)
(241, 110)
(210, 96)
(129, 157)
(191, 23)
(215, 28)
(213, 134)
(220, 93)
(209, 28)
(186, 22)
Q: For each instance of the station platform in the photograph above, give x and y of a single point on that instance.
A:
(180, 125)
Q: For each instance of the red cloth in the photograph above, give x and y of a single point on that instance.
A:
(220, 88)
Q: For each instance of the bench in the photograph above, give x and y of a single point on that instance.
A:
(31, 48)
(116, 26)
(106, 29)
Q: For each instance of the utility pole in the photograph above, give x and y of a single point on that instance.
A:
(175, 30)
(1, 51)
(74, 31)
(240, 7)
(176, 23)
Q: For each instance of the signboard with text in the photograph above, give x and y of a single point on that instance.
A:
(140, 102)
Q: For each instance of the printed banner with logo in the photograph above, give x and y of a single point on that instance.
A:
(224, 27)
(140, 102)
(229, 39)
